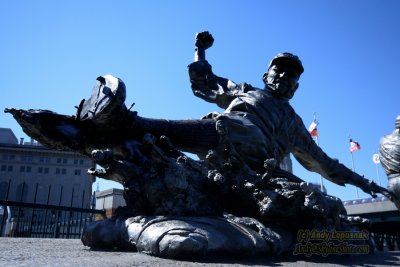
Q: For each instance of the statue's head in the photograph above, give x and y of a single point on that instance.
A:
(283, 75)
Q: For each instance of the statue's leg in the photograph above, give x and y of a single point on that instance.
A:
(195, 136)
(105, 112)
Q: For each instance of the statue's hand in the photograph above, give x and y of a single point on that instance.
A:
(204, 40)
(372, 188)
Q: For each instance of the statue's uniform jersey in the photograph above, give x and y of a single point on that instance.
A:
(261, 126)
(389, 150)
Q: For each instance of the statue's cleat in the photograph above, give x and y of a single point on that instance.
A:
(106, 104)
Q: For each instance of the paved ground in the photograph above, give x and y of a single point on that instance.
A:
(70, 252)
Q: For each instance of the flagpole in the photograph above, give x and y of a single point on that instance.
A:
(317, 142)
(377, 173)
(353, 169)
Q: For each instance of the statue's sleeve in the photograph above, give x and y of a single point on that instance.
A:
(311, 156)
(211, 88)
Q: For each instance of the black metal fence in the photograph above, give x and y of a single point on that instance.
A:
(25, 219)
(386, 242)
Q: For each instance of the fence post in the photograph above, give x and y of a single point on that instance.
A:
(45, 216)
(5, 210)
(57, 227)
(70, 213)
(18, 213)
(33, 211)
(82, 203)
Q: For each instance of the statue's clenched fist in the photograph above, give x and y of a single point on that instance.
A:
(204, 40)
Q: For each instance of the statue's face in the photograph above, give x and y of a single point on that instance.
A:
(282, 81)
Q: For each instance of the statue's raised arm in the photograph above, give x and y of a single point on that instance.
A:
(205, 84)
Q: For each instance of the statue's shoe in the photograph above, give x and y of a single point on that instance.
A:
(106, 103)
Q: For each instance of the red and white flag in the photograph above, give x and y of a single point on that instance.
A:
(312, 129)
(354, 146)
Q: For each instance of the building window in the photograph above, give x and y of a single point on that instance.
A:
(57, 170)
(25, 158)
(78, 172)
(65, 161)
(58, 160)
(63, 171)
(76, 161)
(25, 168)
(10, 168)
(8, 157)
(3, 168)
(81, 162)
(46, 170)
(40, 170)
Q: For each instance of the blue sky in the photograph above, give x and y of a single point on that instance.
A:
(52, 51)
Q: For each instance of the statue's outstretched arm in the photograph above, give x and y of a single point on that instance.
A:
(314, 159)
